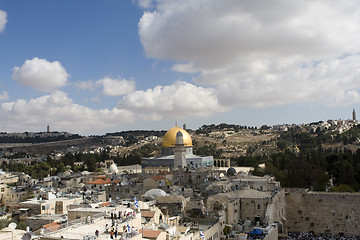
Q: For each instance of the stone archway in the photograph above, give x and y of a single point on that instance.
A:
(221, 162)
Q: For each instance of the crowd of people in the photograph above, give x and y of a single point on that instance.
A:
(116, 219)
(125, 215)
(313, 236)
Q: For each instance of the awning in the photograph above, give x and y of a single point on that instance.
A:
(256, 231)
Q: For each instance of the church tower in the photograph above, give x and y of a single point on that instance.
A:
(179, 151)
(354, 115)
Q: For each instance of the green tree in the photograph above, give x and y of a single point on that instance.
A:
(342, 188)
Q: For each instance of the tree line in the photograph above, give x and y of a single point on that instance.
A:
(302, 162)
(90, 162)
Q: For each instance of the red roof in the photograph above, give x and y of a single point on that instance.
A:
(54, 226)
(101, 181)
(105, 204)
(158, 178)
(148, 233)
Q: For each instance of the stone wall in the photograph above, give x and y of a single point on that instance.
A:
(321, 212)
(276, 211)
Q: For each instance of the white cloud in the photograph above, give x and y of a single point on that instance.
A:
(185, 68)
(4, 96)
(273, 83)
(3, 20)
(261, 53)
(60, 111)
(178, 100)
(116, 87)
(85, 85)
(145, 3)
(41, 74)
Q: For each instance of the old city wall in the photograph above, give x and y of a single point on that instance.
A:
(276, 211)
(321, 212)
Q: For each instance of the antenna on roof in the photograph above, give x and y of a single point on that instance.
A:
(175, 123)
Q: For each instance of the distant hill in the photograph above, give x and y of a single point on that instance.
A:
(38, 137)
(138, 133)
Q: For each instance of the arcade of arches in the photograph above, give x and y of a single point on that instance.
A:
(221, 162)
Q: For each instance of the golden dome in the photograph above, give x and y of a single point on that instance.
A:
(169, 139)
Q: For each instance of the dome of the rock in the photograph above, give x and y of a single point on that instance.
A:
(169, 139)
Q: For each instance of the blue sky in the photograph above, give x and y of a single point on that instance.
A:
(92, 67)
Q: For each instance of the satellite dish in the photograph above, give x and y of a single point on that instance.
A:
(27, 236)
(12, 225)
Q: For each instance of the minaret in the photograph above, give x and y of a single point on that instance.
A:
(354, 115)
(179, 151)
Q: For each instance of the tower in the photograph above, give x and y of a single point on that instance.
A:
(354, 115)
(179, 151)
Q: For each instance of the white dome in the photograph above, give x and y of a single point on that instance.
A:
(85, 173)
(124, 182)
(113, 168)
(153, 193)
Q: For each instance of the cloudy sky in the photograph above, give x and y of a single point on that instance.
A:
(92, 67)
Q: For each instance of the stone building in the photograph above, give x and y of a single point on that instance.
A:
(52, 206)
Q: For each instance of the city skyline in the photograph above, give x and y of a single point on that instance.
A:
(92, 67)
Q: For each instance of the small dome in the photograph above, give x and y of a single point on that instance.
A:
(85, 173)
(231, 171)
(124, 182)
(153, 193)
(113, 168)
(169, 139)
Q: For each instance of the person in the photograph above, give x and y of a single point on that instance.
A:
(115, 233)
(97, 233)
(106, 228)
(111, 235)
